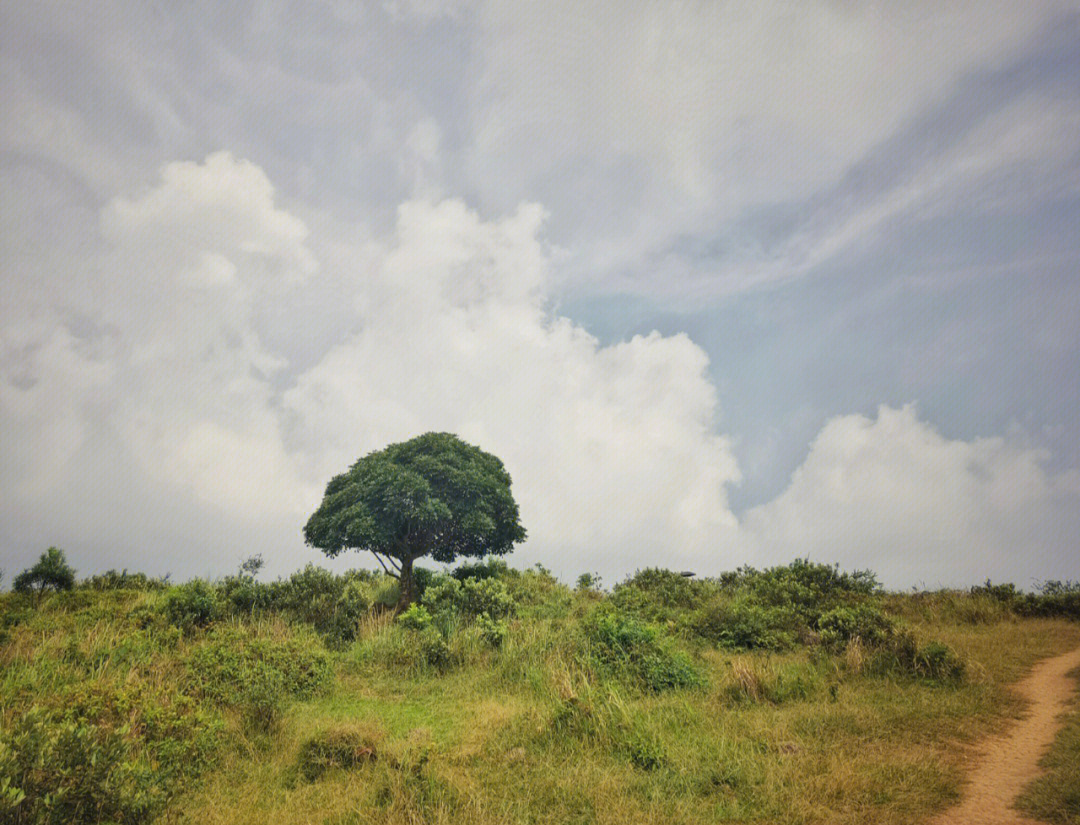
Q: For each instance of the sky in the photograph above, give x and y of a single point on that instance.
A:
(721, 283)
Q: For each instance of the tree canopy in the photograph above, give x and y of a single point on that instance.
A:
(51, 571)
(432, 495)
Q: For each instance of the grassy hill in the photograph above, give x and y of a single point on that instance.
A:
(798, 694)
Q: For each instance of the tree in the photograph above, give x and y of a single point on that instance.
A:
(51, 571)
(433, 495)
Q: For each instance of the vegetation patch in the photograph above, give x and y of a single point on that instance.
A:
(342, 747)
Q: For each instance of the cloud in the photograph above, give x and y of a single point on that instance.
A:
(613, 450)
(894, 495)
(149, 402)
(709, 110)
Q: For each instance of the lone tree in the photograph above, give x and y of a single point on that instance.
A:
(51, 571)
(433, 495)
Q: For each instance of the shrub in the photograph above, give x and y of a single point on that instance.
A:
(934, 662)
(488, 596)
(123, 580)
(1056, 598)
(245, 595)
(191, 605)
(433, 649)
(444, 595)
(69, 772)
(416, 617)
(937, 662)
(806, 588)
(745, 625)
(863, 621)
(1006, 593)
(492, 631)
(70, 767)
(637, 651)
(490, 568)
(344, 747)
(52, 572)
(258, 676)
(658, 595)
(332, 605)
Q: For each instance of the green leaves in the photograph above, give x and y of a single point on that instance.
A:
(433, 495)
(51, 572)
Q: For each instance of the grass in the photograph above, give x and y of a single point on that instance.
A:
(1055, 796)
(562, 720)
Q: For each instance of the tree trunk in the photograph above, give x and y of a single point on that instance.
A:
(408, 591)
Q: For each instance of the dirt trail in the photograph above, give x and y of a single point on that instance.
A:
(1006, 763)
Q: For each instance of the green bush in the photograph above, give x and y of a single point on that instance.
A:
(745, 625)
(863, 621)
(488, 596)
(492, 631)
(123, 580)
(108, 757)
(344, 747)
(244, 595)
(1054, 599)
(489, 568)
(444, 596)
(433, 649)
(416, 617)
(629, 648)
(192, 605)
(332, 605)
(52, 572)
(937, 662)
(934, 662)
(258, 676)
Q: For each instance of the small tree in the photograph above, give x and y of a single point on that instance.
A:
(51, 572)
(433, 495)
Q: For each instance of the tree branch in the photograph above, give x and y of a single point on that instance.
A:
(386, 569)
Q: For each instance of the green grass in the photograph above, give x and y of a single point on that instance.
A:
(575, 716)
(1055, 796)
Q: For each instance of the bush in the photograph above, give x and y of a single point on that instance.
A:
(444, 596)
(744, 625)
(433, 649)
(52, 572)
(934, 662)
(631, 649)
(344, 747)
(123, 580)
(333, 605)
(416, 617)
(490, 596)
(244, 595)
(492, 631)
(489, 568)
(191, 605)
(80, 765)
(258, 676)
(1055, 599)
(865, 622)
(806, 588)
(68, 772)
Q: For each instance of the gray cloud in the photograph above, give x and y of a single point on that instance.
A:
(242, 246)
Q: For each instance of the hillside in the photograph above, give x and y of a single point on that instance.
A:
(799, 694)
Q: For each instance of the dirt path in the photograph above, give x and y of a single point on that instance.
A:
(1006, 763)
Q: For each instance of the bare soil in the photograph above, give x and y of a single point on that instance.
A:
(1003, 765)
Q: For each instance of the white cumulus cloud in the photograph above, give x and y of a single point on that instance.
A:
(894, 495)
